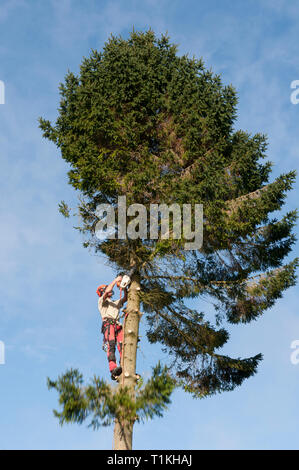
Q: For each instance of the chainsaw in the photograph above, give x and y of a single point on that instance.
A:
(126, 280)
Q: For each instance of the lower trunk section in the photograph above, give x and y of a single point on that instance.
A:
(123, 435)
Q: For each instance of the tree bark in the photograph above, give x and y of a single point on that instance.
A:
(123, 431)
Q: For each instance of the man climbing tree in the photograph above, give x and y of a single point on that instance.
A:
(111, 327)
(142, 122)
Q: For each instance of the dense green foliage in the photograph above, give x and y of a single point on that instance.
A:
(102, 403)
(141, 121)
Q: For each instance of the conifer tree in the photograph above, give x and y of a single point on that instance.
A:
(143, 122)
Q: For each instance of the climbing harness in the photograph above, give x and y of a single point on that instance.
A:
(106, 326)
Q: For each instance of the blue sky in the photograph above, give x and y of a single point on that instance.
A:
(48, 305)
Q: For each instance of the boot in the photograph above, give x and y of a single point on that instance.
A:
(116, 372)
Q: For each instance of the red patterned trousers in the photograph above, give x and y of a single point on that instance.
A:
(113, 336)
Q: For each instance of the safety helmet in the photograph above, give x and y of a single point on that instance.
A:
(101, 289)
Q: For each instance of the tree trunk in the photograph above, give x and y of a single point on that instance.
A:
(123, 431)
